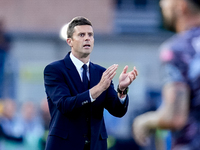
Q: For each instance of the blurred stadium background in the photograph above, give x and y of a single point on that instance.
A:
(127, 32)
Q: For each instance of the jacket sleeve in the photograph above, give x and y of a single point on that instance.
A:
(113, 104)
(59, 91)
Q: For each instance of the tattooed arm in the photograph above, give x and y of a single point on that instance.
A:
(176, 106)
(172, 114)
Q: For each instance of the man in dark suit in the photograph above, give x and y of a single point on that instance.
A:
(77, 96)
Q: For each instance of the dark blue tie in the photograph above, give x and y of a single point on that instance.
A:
(85, 78)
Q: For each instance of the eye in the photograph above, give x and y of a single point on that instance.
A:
(90, 34)
(82, 34)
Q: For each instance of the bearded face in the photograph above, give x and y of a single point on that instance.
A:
(169, 14)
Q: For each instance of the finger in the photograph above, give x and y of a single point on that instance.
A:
(111, 69)
(109, 75)
(105, 73)
(136, 136)
(132, 75)
(135, 70)
(140, 138)
(125, 69)
(137, 133)
(112, 76)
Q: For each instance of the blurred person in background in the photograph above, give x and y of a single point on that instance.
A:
(5, 41)
(180, 56)
(76, 105)
(31, 125)
(11, 135)
(45, 114)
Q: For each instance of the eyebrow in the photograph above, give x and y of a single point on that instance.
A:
(85, 33)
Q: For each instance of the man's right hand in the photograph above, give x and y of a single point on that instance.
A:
(105, 81)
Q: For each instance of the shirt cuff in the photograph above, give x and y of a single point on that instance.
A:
(122, 100)
(92, 100)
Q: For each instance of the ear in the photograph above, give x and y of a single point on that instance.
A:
(69, 42)
(182, 7)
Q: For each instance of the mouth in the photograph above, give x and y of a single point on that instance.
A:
(86, 46)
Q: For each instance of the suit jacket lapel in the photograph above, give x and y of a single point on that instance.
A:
(73, 73)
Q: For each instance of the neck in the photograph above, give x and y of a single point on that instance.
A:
(188, 23)
(84, 58)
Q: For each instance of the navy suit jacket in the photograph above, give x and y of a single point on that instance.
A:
(67, 101)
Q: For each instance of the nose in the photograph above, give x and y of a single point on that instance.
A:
(87, 37)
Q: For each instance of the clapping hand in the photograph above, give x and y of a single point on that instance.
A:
(126, 78)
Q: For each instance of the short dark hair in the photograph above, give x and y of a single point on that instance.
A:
(77, 21)
(195, 4)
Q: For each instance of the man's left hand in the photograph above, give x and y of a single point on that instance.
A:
(126, 78)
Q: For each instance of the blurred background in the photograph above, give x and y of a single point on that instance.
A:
(127, 32)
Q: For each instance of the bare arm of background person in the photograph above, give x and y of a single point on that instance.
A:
(172, 114)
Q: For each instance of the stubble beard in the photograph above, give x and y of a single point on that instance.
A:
(85, 55)
(169, 23)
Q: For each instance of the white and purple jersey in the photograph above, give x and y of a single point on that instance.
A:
(180, 57)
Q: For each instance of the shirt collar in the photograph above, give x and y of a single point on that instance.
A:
(78, 64)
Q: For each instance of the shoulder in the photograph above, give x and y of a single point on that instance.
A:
(175, 47)
(54, 65)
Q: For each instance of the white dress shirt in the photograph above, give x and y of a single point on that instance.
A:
(78, 64)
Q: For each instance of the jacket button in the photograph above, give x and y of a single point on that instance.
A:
(87, 142)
